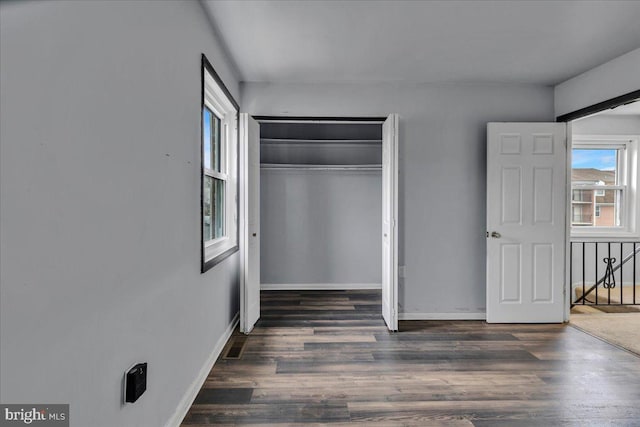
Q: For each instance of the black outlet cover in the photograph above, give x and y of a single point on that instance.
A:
(135, 382)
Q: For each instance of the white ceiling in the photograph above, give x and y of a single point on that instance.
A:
(542, 42)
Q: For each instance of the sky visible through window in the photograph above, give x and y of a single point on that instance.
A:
(207, 138)
(596, 159)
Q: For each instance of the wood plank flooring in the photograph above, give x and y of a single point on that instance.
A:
(326, 357)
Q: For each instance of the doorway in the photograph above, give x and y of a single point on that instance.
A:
(533, 223)
(321, 209)
(604, 261)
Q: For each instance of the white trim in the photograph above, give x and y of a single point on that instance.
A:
(443, 316)
(605, 237)
(597, 188)
(568, 216)
(191, 392)
(317, 286)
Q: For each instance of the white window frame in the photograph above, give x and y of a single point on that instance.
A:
(215, 97)
(627, 176)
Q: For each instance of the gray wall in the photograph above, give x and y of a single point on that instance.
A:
(442, 171)
(611, 79)
(607, 124)
(320, 227)
(100, 244)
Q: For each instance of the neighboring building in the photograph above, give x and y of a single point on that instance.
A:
(593, 207)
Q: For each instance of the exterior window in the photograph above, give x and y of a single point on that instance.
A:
(219, 170)
(603, 185)
(214, 179)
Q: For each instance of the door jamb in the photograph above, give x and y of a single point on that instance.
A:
(567, 224)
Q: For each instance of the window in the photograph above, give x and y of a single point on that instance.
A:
(604, 185)
(219, 170)
(214, 177)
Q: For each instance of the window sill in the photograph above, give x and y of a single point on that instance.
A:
(603, 235)
(217, 259)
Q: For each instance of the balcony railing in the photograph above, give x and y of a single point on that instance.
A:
(605, 273)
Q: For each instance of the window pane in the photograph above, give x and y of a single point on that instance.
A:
(596, 208)
(206, 137)
(218, 197)
(581, 214)
(217, 124)
(599, 207)
(608, 208)
(594, 166)
(585, 196)
(213, 208)
(207, 210)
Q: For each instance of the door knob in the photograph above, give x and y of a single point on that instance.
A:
(254, 234)
(495, 234)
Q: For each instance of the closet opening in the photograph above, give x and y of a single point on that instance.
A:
(320, 219)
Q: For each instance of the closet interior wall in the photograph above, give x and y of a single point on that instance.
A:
(320, 205)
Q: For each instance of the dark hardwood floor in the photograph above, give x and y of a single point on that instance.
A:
(326, 357)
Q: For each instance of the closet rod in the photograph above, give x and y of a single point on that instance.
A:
(321, 141)
(271, 166)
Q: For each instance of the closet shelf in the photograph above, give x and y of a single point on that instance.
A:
(290, 166)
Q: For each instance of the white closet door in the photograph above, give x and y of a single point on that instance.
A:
(250, 227)
(526, 232)
(389, 222)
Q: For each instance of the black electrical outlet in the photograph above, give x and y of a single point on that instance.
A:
(135, 382)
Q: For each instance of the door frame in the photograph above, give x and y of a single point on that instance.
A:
(309, 119)
(567, 119)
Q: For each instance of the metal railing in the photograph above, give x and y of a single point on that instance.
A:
(605, 273)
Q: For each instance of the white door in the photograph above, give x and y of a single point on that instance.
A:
(526, 217)
(250, 222)
(389, 222)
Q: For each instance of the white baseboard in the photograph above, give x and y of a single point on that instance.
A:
(317, 286)
(442, 316)
(196, 385)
